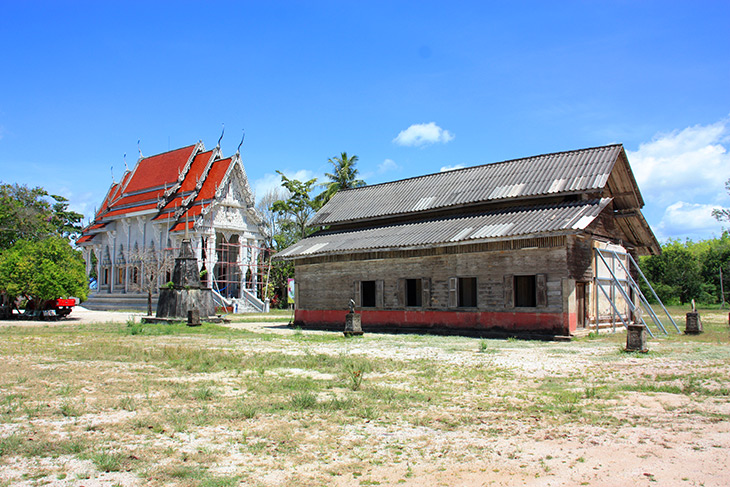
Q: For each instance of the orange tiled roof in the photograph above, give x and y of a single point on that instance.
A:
(147, 184)
(215, 177)
(179, 227)
(159, 170)
(196, 170)
(135, 199)
(134, 209)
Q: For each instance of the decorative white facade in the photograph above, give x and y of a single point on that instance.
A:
(185, 193)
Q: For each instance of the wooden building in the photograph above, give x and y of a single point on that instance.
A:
(504, 247)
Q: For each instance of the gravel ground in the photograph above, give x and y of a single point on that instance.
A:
(80, 315)
(652, 438)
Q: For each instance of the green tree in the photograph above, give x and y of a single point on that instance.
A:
(716, 256)
(32, 214)
(297, 208)
(687, 270)
(270, 218)
(43, 269)
(281, 271)
(675, 273)
(343, 176)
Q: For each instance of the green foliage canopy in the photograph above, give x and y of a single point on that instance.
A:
(297, 208)
(43, 269)
(344, 176)
(690, 270)
(32, 214)
(295, 211)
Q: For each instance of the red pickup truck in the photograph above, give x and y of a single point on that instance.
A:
(52, 309)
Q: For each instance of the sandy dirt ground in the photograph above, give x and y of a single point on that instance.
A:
(685, 442)
(79, 315)
(679, 448)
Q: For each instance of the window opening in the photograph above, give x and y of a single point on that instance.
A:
(414, 292)
(467, 292)
(525, 292)
(367, 297)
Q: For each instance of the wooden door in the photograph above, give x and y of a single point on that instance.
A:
(580, 297)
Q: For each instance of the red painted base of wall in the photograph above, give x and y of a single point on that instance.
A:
(454, 321)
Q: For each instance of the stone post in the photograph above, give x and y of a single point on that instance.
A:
(353, 324)
(636, 339)
(193, 317)
(693, 324)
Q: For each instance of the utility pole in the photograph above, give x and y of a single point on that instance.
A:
(722, 291)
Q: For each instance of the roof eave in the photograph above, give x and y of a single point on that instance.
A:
(427, 246)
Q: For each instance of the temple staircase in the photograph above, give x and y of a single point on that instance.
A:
(102, 301)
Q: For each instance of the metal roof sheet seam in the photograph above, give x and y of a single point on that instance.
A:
(580, 170)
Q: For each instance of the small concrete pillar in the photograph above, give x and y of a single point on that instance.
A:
(636, 339)
(353, 324)
(693, 324)
(193, 317)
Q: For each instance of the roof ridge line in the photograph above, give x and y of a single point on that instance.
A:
(462, 169)
(170, 150)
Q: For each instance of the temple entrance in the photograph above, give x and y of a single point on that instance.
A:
(227, 271)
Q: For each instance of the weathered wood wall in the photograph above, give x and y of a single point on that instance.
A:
(580, 258)
(331, 285)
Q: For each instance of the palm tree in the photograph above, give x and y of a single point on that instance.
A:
(343, 177)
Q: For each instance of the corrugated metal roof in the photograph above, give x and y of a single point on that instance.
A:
(579, 170)
(495, 225)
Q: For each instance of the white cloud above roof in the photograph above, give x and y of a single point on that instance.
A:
(387, 166)
(451, 168)
(683, 218)
(421, 134)
(682, 175)
(269, 181)
(692, 163)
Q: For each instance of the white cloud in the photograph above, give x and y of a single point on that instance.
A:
(423, 134)
(688, 219)
(451, 168)
(691, 164)
(387, 165)
(269, 181)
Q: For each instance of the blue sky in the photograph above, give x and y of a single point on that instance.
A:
(410, 87)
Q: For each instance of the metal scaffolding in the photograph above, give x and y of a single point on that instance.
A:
(623, 293)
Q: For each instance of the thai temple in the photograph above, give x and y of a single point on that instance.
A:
(190, 193)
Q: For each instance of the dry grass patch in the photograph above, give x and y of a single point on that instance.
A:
(170, 405)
